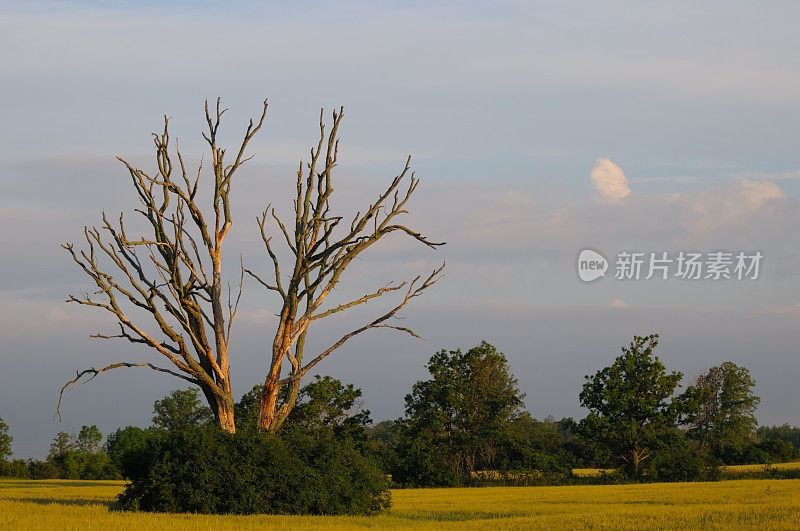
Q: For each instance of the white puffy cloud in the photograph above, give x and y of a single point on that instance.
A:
(609, 180)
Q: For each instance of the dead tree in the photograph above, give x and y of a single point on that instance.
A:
(322, 250)
(173, 276)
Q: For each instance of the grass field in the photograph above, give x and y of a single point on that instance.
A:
(756, 504)
(728, 472)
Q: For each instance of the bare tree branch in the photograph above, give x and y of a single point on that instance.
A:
(322, 251)
(174, 273)
(94, 372)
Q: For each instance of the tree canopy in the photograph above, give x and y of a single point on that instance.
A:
(726, 417)
(457, 419)
(5, 441)
(182, 407)
(632, 403)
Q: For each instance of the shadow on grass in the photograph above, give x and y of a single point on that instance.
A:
(82, 502)
(44, 483)
(457, 516)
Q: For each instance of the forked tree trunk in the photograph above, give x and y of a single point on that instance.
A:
(638, 454)
(222, 407)
(269, 396)
(271, 417)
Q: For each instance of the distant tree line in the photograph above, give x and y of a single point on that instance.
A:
(463, 425)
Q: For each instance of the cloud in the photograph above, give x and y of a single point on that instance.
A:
(717, 207)
(56, 315)
(609, 180)
(766, 176)
(619, 303)
(259, 316)
(793, 309)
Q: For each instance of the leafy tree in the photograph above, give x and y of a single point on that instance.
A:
(65, 457)
(540, 435)
(677, 460)
(532, 444)
(89, 440)
(76, 458)
(725, 419)
(325, 403)
(46, 469)
(5, 441)
(777, 451)
(62, 444)
(182, 407)
(123, 447)
(18, 468)
(246, 409)
(785, 432)
(383, 440)
(632, 404)
(457, 420)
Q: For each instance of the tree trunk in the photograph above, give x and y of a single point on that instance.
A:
(269, 396)
(293, 387)
(224, 415)
(638, 454)
(269, 402)
(222, 407)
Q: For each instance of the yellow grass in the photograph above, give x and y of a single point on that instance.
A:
(755, 504)
(731, 470)
(590, 472)
(760, 468)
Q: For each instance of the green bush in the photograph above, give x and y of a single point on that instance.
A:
(18, 468)
(124, 447)
(206, 470)
(677, 460)
(423, 463)
(43, 470)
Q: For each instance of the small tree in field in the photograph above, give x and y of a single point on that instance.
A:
(323, 248)
(457, 419)
(725, 418)
(632, 404)
(173, 274)
(5, 441)
(89, 439)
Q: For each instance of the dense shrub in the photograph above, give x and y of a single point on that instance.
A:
(124, 447)
(677, 460)
(43, 470)
(764, 452)
(18, 468)
(778, 450)
(207, 470)
(790, 434)
(423, 463)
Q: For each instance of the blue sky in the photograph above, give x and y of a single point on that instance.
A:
(505, 106)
